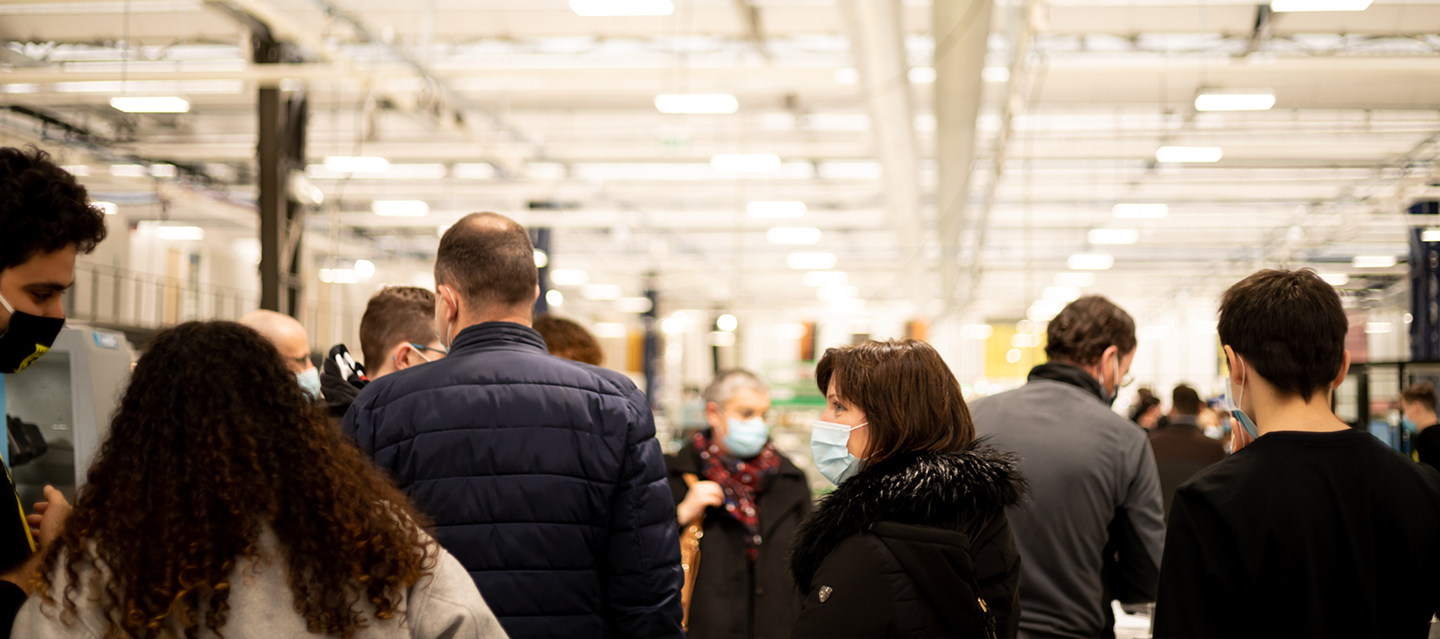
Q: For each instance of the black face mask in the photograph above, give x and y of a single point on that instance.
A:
(26, 339)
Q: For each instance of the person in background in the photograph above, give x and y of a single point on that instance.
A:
(567, 339)
(222, 502)
(752, 498)
(397, 331)
(914, 542)
(543, 475)
(1093, 528)
(1418, 402)
(1147, 413)
(1181, 448)
(48, 223)
(288, 336)
(1312, 528)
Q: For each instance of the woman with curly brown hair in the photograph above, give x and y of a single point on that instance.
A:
(223, 501)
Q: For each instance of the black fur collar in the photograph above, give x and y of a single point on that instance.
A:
(956, 489)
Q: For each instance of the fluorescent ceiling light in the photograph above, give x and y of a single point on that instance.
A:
(1141, 211)
(163, 170)
(400, 208)
(1114, 236)
(727, 322)
(541, 259)
(745, 163)
(1431, 234)
(836, 293)
(781, 209)
(1288, 6)
(696, 103)
(545, 171)
(1234, 101)
(356, 164)
(569, 277)
(151, 105)
(1374, 261)
(850, 170)
(554, 298)
(634, 305)
(721, 338)
(977, 331)
(995, 74)
(811, 261)
(847, 76)
(414, 172)
(1090, 262)
(77, 170)
(793, 235)
(1335, 279)
(1152, 332)
(365, 268)
(129, 170)
(108, 207)
(621, 8)
(339, 276)
(1189, 154)
(826, 278)
(1077, 280)
(921, 75)
(600, 292)
(194, 233)
(1378, 327)
(609, 330)
(478, 171)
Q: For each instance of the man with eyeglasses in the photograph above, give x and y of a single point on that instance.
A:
(1093, 528)
(397, 332)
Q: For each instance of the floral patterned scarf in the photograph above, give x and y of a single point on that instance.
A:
(742, 480)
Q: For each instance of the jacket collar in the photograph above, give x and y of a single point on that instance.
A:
(1068, 374)
(487, 335)
(1187, 420)
(964, 488)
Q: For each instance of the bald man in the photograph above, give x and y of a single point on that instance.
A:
(289, 338)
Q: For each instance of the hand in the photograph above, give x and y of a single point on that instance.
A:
(702, 495)
(49, 518)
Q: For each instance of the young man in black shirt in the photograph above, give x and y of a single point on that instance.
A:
(1311, 529)
(1418, 402)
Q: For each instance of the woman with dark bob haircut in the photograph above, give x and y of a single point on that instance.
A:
(914, 541)
(223, 500)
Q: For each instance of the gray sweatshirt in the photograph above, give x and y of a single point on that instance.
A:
(443, 604)
(1094, 491)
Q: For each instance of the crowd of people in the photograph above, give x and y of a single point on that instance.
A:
(476, 474)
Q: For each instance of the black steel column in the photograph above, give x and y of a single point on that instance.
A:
(540, 237)
(651, 352)
(279, 150)
(1424, 288)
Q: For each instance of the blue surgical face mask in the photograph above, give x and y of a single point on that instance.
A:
(1407, 424)
(829, 443)
(309, 382)
(745, 438)
(1234, 401)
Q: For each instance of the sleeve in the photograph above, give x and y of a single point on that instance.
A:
(997, 563)
(11, 598)
(858, 602)
(447, 604)
(643, 578)
(1137, 534)
(1193, 594)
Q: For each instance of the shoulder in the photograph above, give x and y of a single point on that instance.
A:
(859, 558)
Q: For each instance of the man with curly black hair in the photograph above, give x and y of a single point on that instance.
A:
(47, 221)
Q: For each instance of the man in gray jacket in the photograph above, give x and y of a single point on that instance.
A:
(1093, 528)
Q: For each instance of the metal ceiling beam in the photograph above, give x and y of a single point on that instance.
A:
(877, 40)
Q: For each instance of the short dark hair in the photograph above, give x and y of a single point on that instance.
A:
(489, 259)
(569, 340)
(1085, 328)
(1289, 326)
(911, 399)
(396, 314)
(1185, 400)
(42, 208)
(1422, 393)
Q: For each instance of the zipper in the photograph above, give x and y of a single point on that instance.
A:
(988, 618)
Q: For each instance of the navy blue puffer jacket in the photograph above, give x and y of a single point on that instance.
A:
(543, 477)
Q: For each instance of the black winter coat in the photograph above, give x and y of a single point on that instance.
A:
(908, 547)
(543, 477)
(730, 600)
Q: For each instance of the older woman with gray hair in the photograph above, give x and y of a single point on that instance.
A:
(751, 498)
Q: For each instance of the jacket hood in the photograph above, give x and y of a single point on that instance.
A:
(947, 493)
(1069, 374)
